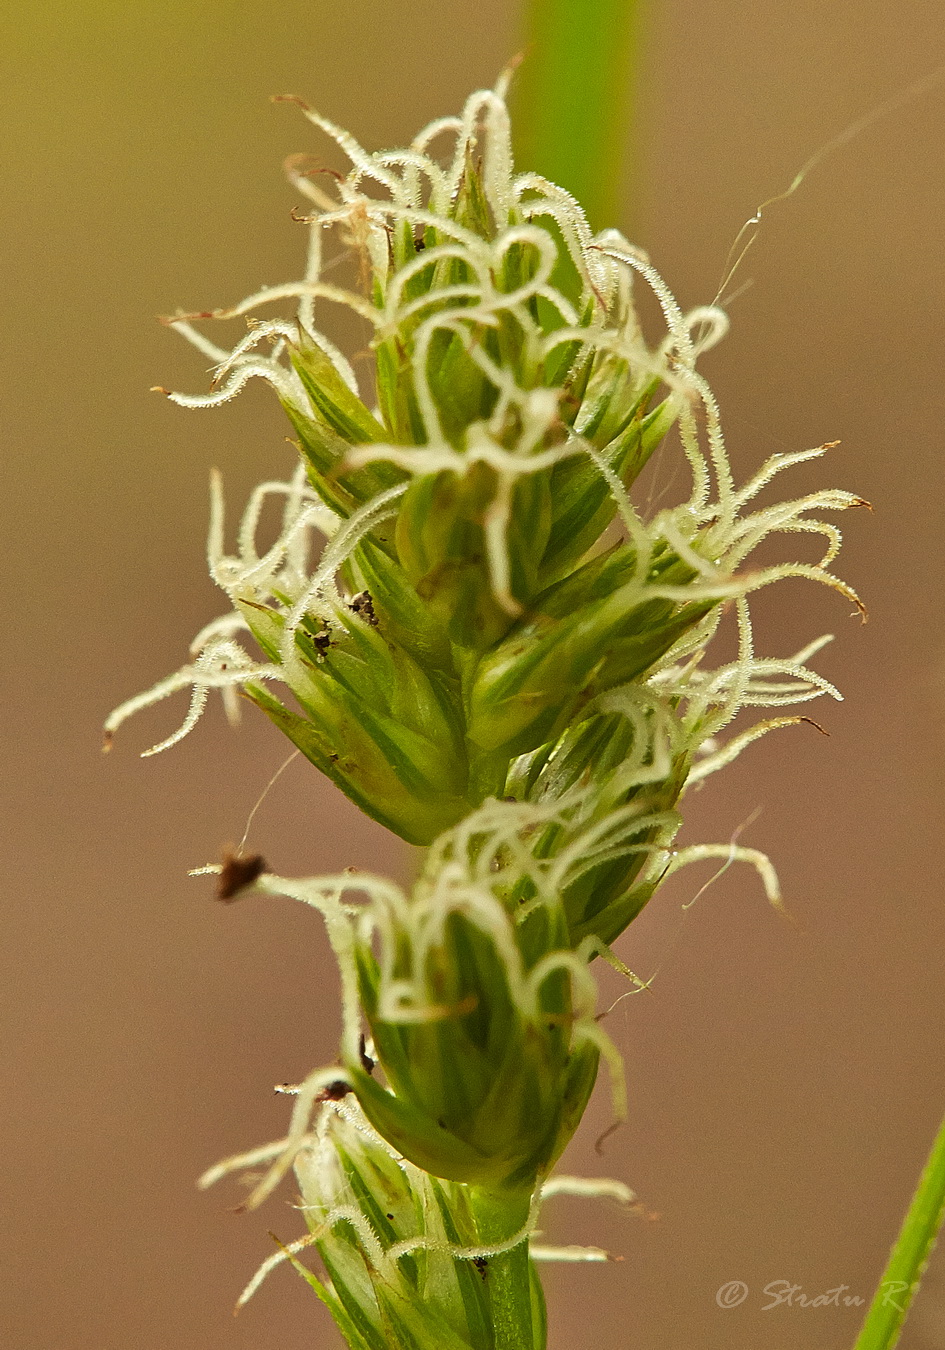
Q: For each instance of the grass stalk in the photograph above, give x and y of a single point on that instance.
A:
(575, 96)
(909, 1256)
(507, 1274)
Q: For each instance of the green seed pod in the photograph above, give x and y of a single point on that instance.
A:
(374, 721)
(332, 401)
(335, 420)
(617, 776)
(442, 547)
(586, 634)
(583, 504)
(403, 618)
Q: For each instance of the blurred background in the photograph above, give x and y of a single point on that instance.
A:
(785, 1080)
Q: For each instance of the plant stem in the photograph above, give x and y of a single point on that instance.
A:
(575, 97)
(909, 1256)
(507, 1273)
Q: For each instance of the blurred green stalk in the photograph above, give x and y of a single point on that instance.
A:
(909, 1256)
(574, 99)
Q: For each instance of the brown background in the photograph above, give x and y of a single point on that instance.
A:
(784, 1084)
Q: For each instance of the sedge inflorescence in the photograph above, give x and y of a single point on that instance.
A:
(495, 653)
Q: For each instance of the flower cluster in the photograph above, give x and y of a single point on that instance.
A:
(493, 652)
(410, 1259)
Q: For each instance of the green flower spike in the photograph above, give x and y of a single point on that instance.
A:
(494, 653)
(469, 997)
(478, 1014)
(489, 1059)
(436, 1137)
(485, 576)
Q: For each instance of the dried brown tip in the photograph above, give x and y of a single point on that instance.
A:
(304, 165)
(601, 1139)
(159, 389)
(290, 98)
(169, 319)
(823, 730)
(238, 871)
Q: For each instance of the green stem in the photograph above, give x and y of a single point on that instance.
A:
(909, 1256)
(507, 1274)
(574, 98)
